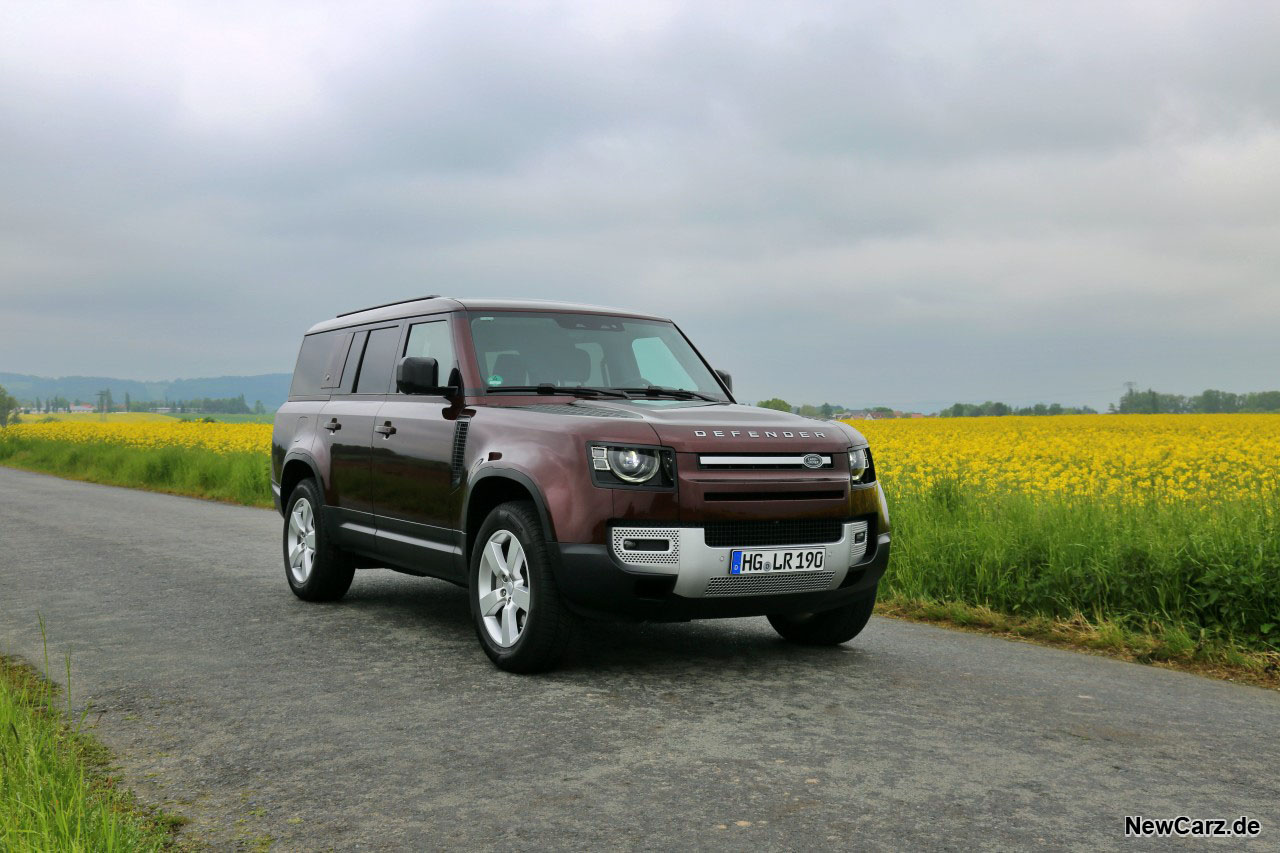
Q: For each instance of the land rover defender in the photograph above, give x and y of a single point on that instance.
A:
(564, 462)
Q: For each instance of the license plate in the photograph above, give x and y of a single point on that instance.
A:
(777, 560)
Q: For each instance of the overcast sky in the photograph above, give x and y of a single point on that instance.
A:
(904, 203)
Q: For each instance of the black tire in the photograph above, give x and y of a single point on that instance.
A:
(539, 638)
(829, 627)
(331, 568)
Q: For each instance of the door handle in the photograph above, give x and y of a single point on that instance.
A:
(386, 429)
(333, 425)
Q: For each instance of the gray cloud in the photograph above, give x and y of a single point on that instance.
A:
(906, 203)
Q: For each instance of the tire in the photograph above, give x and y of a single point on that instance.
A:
(520, 619)
(316, 569)
(829, 627)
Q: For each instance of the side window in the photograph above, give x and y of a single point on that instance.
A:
(351, 365)
(659, 366)
(378, 361)
(337, 359)
(432, 340)
(313, 360)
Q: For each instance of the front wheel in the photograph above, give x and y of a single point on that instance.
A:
(522, 624)
(829, 627)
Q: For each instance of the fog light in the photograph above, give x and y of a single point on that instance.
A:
(646, 544)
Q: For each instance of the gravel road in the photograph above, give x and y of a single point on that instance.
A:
(377, 723)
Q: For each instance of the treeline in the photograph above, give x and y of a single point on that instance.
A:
(991, 408)
(826, 410)
(1210, 402)
(106, 403)
(219, 406)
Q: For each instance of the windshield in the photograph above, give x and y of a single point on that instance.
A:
(586, 350)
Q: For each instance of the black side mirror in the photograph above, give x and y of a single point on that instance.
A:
(726, 378)
(419, 376)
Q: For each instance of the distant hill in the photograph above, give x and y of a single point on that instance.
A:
(271, 388)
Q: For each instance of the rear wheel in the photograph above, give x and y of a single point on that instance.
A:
(829, 627)
(520, 620)
(316, 569)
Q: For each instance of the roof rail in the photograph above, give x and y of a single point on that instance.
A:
(388, 304)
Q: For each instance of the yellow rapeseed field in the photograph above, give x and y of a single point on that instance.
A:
(1135, 458)
(218, 437)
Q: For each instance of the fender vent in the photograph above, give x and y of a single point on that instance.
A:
(458, 462)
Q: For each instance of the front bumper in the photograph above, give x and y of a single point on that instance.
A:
(695, 583)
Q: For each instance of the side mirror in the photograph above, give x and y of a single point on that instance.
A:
(419, 376)
(726, 378)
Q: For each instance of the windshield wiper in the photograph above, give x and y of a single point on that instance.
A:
(548, 388)
(677, 393)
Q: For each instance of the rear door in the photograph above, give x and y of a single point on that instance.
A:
(346, 428)
(414, 495)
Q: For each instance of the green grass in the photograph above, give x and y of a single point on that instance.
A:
(243, 478)
(55, 793)
(1207, 573)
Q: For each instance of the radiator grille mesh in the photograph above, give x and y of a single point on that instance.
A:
(770, 584)
(748, 534)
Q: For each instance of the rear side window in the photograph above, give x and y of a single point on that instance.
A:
(337, 358)
(378, 361)
(313, 362)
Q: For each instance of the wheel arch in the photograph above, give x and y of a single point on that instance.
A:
(297, 467)
(492, 487)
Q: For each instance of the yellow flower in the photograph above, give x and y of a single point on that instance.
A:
(1132, 458)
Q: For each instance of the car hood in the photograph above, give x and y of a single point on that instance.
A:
(706, 427)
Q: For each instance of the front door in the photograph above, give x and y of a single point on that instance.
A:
(414, 496)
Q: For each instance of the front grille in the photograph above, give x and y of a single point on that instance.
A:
(781, 461)
(830, 495)
(747, 534)
(768, 584)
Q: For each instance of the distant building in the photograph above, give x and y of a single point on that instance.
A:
(871, 415)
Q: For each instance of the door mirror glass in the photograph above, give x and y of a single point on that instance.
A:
(418, 375)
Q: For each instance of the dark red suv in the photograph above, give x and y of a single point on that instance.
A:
(565, 462)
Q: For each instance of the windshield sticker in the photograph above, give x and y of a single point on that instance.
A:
(495, 379)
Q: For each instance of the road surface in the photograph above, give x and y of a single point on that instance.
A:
(377, 723)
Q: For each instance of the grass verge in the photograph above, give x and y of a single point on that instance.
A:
(55, 791)
(1206, 571)
(241, 477)
(1171, 648)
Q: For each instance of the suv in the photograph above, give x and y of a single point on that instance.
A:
(564, 462)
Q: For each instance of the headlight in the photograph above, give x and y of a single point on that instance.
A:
(858, 464)
(632, 466)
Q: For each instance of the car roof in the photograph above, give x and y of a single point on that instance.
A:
(442, 304)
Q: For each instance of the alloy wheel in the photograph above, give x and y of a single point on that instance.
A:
(503, 588)
(302, 541)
